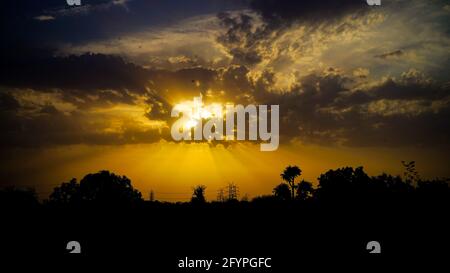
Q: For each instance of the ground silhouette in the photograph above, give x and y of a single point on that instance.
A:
(336, 217)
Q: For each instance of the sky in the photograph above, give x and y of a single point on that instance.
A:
(91, 87)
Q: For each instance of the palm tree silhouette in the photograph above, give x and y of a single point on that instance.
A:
(289, 174)
(198, 197)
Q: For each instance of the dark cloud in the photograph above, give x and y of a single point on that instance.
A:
(49, 109)
(8, 102)
(412, 85)
(84, 82)
(322, 110)
(39, 69)
(396, 53)
(241, 38)
(427, 129)
(300, 117)
(244, 37)
(288, 11)
(95, 80)
(392, 90)
(159, 109)
(52, 127)
(235, 81)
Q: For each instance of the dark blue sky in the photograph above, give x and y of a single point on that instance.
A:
(98, 19)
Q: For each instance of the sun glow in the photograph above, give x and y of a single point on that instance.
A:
(200, 112)
(190, 124)
(214, 123)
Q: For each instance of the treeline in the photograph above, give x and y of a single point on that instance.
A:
(336, 187)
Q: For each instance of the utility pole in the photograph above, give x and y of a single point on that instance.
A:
(152, 196)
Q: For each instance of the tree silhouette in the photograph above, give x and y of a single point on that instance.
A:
(289, 174)
(198, 197)
(343, 184)
(282, 191)
(410, 174)
(101, 188)
(305, 190)
(67, 193)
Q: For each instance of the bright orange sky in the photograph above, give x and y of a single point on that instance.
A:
(171, 170)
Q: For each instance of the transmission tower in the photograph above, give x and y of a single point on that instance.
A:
(220, 195)
(233, 191)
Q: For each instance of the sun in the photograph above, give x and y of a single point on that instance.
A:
(191, 123)
(198, 112)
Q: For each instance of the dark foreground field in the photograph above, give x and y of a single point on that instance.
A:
(329, 226)
(156, 236)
